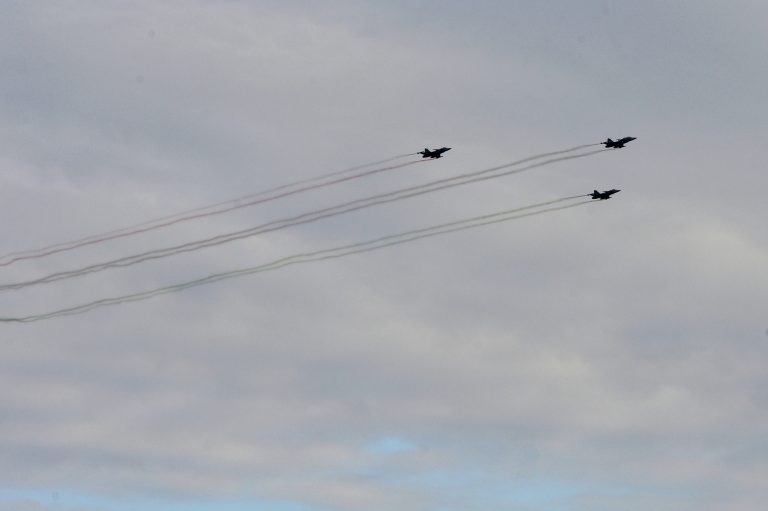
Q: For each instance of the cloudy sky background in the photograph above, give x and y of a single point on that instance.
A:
(607, 357)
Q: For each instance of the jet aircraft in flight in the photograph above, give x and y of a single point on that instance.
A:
(604, 195)
(435, 153)
(617, 144)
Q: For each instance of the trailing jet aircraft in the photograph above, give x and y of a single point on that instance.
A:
(435, 153)
(618, 144)
(604, 195)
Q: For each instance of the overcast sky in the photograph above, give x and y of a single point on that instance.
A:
(611, 356)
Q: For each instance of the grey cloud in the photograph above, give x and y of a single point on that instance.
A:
(619, 345)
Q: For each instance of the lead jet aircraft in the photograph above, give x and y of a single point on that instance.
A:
(435, 153)
(618, 144)
(604, 195)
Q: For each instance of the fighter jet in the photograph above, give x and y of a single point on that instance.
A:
(604, 195)
(618, 144)
(435, 153)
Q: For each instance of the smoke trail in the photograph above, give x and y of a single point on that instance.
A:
(232, 205)
(318, 255)
(202, 208)
(235, 203)
(303, 218)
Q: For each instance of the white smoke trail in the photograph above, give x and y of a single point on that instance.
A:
(318, 255)
(205, 211)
